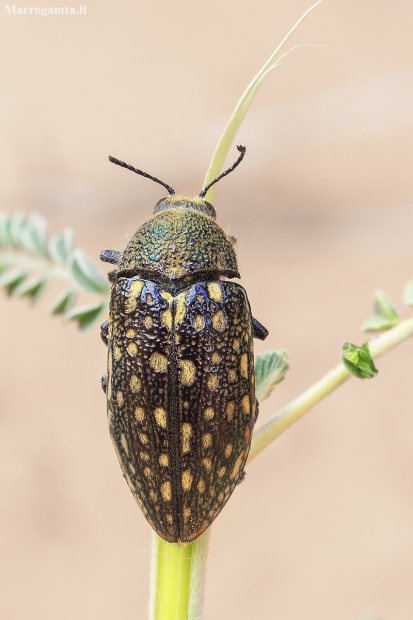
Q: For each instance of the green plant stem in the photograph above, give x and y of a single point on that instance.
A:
(298, 407)
(242, 108)
(177, 579)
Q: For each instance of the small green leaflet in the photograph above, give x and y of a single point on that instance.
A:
(358, 360)
(270, 369)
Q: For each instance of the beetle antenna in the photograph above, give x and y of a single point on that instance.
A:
(242, 150)
(118, 162)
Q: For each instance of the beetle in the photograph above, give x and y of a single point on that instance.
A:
(180, 380)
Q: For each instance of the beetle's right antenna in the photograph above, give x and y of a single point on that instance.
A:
(242, 150)
(118, 162)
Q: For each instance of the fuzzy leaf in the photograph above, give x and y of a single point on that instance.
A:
(38, 230)
(358, 360)
(408, 294)
(87, 315)
(385, 316)
(270, 369)
(16, 224)
(32, 288)
(61, 246)
(85, 274)
(10, 280)
(64, 302)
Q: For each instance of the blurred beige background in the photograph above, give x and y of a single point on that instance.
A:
(322, 207)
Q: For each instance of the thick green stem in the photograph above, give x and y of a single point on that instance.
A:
(177, 579)
(298, 407)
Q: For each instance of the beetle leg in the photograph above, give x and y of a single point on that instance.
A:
(104, 382)
(110, 256)
(104, 332)
(258, 330)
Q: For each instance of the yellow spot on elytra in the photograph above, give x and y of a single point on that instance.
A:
(109, 388)
(186, 480)
(160, 416)
(149, 298)
(110, 417)
(188, 372)
(247, 435)
(230, 410)
(132, 348)
(117, 353)
(186, 405)
(135, 288)
(169, 518)
(180, 308)
(209, 413)
(186, 513)
(215, 358)
(158, 362)
(139, 414)
(148, 322)
(164, 460)
(119, 398)
(244, 365)
(186, 437)
(130, 305)
(246, 406)
(212, 491)
(166, 491)
(166, 296)
(144, 456)
(215, 291)
(207, 440)
(228, 451)
(135, 384)
(147, 472)
(232, 375)
(143, 438)
(199, 322)
(236, 345)
(201, 486)
(237, 465)
(166, 318)
(131, 467)
(212, 382)
(124, 443)
(222, 472)
(153, 495)
(207, 464)
(218, 321)
(130, 333)
(220, 497)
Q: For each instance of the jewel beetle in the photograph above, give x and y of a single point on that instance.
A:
(180, 379)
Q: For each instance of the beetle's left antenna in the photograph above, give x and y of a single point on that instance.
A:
(118, 162)
(242, 150)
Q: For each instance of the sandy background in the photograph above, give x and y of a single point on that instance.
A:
(322, 208)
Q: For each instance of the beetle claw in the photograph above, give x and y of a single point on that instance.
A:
(258, 330)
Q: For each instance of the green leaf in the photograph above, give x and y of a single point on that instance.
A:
(408, 294)
(358, 360)
(385, 315)
(16, 224)
(32, 288)
(87, 315)
(270, 368)
(61, 246)
(64, 302)
(86, 274)
(38, 232)
(10, 280)
(4, 231)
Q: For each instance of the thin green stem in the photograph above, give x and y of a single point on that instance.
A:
(242, 108)
(298, 407)
(177, 579)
